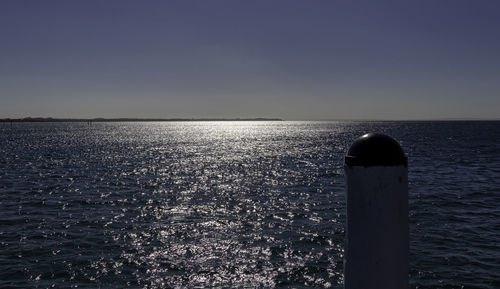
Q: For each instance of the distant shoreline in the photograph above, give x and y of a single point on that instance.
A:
(50, 119)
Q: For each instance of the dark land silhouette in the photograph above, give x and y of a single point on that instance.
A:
(50, 119)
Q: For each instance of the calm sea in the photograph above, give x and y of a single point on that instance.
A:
(233, 204)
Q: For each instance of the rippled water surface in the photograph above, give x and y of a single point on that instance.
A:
(233, 204)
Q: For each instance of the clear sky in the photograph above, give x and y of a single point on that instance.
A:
(293, 59)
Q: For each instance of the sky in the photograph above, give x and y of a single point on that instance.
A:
(296, 60)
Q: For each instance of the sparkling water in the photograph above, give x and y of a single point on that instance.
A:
(233, 204)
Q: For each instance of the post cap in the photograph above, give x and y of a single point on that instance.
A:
(375, 149)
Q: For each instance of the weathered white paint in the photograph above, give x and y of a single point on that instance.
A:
(377, 241)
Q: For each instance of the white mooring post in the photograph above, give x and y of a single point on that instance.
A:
(377, 238)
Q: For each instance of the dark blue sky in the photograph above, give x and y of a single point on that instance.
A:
(289, 59)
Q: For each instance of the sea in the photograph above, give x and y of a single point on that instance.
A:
(234, 204)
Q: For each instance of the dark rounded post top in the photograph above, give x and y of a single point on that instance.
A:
(375, 149)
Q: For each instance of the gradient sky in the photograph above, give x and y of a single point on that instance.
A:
(425, 59)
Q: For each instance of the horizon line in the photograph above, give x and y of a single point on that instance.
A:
(152, 119)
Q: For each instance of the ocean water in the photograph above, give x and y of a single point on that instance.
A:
(233, 204)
